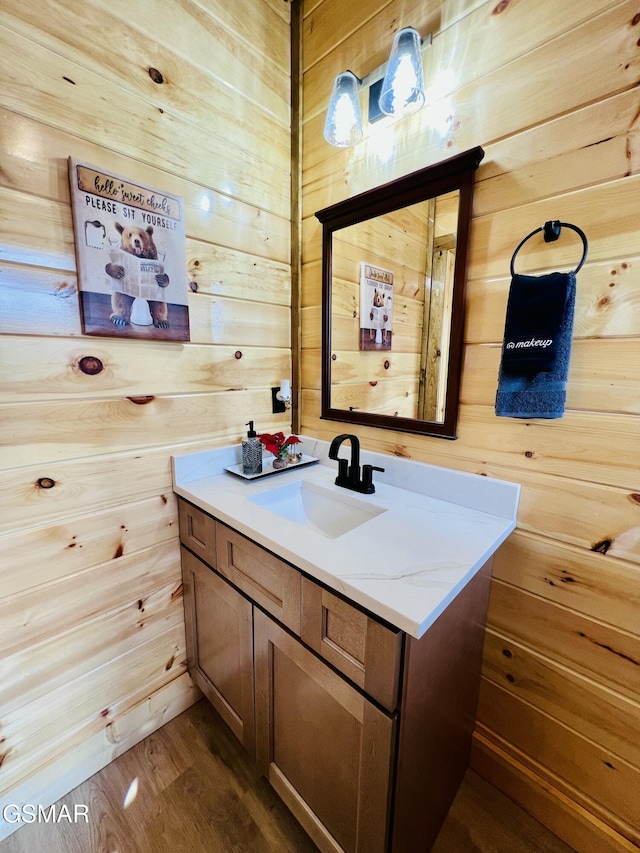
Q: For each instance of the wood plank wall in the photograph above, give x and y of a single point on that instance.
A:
(91, 619)
(550, 91)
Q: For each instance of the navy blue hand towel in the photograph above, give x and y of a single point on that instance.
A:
(537, 346)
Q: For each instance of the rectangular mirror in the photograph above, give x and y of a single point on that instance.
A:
(394, 269)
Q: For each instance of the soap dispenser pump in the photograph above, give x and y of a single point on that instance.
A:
(251, 452)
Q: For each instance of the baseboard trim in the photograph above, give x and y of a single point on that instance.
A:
(565, 818)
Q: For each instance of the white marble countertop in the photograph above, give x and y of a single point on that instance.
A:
(438, 528)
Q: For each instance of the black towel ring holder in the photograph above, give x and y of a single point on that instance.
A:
(552, 230)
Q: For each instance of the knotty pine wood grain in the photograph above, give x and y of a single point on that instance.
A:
(544, 800)
(506, 33)
(568, 447)
(131, 370)
(86, 484)
(211, 216)
(558, 144)
(607, 303)
(594, 583)
(129, 724)
(107, 455)
(74, 711)
(134, 119)
(30, 674)
(605, 213)
(392, 397)
(587, 645)
(345, 328)
(36, 300)
(586, 165)
(237, 274)
(29, 617)
(603, 375)
(50, 430)
(594, 776)
(613, 719)
(498, 103)
(185, 52)
(50, 552)
(38, 231)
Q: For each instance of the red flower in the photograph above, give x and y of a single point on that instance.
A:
(277, 443)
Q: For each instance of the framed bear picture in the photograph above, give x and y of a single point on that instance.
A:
(131, 257)
(376, 307)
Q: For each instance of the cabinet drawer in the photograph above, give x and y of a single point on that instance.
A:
(270, 582)
(362, 648)
(197, 531)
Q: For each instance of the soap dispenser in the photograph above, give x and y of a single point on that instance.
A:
(251, 452)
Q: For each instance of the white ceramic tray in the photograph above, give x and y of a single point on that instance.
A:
(268, 469)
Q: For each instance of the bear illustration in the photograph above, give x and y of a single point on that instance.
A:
(139, 242)
(378, 317)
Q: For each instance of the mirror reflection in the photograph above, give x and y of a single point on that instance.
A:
(392, 293)
(394, 272)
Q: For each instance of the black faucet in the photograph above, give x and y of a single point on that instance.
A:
(349, 475)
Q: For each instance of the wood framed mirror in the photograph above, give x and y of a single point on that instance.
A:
(394, 264)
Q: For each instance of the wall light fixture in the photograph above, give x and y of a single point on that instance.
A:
(403, 86)
(396, 89)
(343, 125)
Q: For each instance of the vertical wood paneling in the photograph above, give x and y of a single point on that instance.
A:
(91, 615)
(553, 100)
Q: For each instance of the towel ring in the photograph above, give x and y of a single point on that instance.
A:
(552, 230)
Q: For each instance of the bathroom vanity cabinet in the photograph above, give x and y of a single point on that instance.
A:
(363, 730)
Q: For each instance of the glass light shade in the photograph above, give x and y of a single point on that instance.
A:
(403, 86)
(343, 125)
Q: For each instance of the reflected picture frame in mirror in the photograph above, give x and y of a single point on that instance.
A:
(357, 234)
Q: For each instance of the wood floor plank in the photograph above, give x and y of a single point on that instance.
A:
(190, 788)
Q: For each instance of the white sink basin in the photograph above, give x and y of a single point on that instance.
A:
(317, 508)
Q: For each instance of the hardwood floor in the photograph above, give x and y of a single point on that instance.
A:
(198, 793)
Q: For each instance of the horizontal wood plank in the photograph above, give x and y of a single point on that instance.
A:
(210, 215)
(593, 583)
(183, 55)
(603, 782)
(607, 303)
(59, 605)
(47, 369)
(603, 375)
(607, 655)
(48, 553)
(34, 741)
(49, 430)
(574, 823)
(613, 720)
(570, 446)
(38, 669)
(37, 301)
(250, 177)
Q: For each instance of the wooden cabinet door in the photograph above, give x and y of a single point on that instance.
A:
(220, 646)
(325, 748)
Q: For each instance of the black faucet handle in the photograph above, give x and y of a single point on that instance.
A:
(343, 476)
(367, 478)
